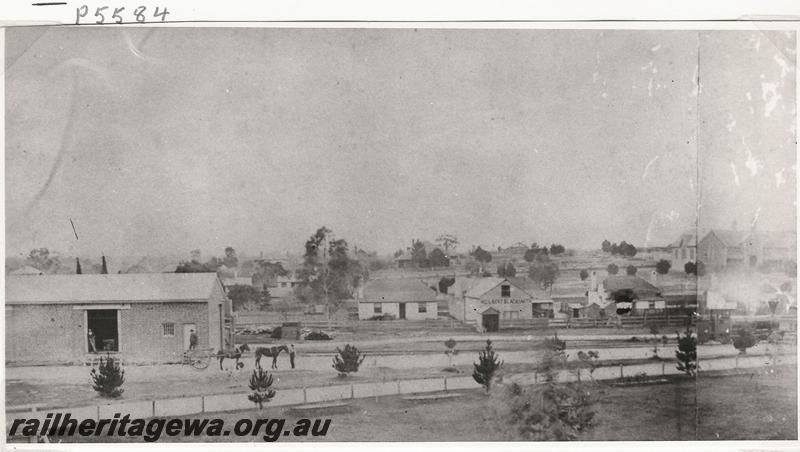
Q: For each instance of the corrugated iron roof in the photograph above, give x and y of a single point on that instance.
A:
(398, 290)
(635, 283)
(130, 287)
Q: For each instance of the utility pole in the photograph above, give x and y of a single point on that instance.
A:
(697, 164)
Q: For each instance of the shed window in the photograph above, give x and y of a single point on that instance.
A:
(377, 308)
(422, 307)
(505, 290)
(168, 329)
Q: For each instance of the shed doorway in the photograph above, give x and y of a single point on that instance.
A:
(104, 328)
(490, 319)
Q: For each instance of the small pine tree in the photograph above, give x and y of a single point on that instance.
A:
(743, 341)
(551, 410)
(348, 360)
(261, 385)
(687, 353)
(486, 366)
(450, 351)
(108, 377)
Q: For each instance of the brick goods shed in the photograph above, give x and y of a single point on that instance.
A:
(146, 317)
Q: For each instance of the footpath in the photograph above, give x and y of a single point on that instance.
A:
(193, 405)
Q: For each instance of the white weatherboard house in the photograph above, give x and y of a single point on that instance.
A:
(490, 303)
(405, 298)
(145, 317)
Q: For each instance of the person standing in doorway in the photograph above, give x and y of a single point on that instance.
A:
(92, 345)
(291, 355)
(192, 340)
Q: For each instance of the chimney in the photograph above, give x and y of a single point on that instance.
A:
(105, 267)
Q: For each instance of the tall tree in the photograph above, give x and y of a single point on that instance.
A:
(230, 260)
(543, 271)
(448, 242)
(438, 258)
(418, 254)
(329, 273)
(267, 272)
(78, 270)
(43, 259)
(105, 266)
(248, 298)
(606, 246)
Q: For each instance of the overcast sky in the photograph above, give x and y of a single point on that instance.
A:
(170, 139)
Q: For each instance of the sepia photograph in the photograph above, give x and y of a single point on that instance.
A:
(418, 232)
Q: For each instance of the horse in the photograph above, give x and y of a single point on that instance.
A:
(270, 351)
(234, 354)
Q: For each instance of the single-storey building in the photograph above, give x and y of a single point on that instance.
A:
(627, 292)
(144, 317)
(489, 303)
(403, 298)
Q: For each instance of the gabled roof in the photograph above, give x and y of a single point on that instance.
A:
(619, 282)
(27, 270)
(484, 285)
(687, 239)
(130, 287)
(407, 290)
(728, 238)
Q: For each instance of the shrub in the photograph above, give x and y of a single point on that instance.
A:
(663, 266)
(687, 353)
(487, 365)
(744, 340)
(554, 343)
(631, 270)
(261, 385)
(690, 268)
(584, 274)
(612, 269)
(317, 336)
(108, 377)
(276, 333)
(348, 360)
(589, 360)
(382, 317)
(551, 410)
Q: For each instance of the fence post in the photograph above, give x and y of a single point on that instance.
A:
(305, 395)
(620, 371)
(663, 369)
(536, 377)
(352, 392)
(445, 384)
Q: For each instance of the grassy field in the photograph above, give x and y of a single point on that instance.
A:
(745, 406)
